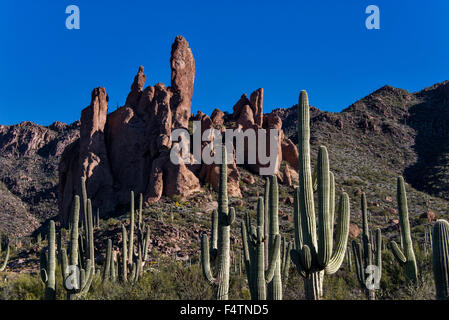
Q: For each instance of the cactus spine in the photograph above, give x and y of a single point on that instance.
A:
(48, 264)
(226, 217)
(253, 239)
(312, 256)
(440, 260)
(406, 256)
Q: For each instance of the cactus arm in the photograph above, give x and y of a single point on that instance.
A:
(205, 259)
(365, 230)
(266, 218)
(107, 268)
(146, 244)
(43, 265)
(85, 200)
(140, 209)
(359, 269)
(379, 250)
(274, 257)
(5, 263)
(398, 254)
(90, 229)
(324, 222)
(50, 290)
(231, 216)
(286, 262)
(341, 237)
(297, 221)
(214, 236)
(331, 200)
(131, 231)
(411, 269)
(124, 259)
(64, 264)
(440, 259)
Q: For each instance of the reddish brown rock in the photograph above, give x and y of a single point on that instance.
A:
(246, 117)
(354, 230)
(429, 215)
(256, 102)
(136, 88)
(287, 177)
(243, 101)
(129, 149)
(93, 156)
(182, 79)
(249, 179)
(290, 153)
(217, 117)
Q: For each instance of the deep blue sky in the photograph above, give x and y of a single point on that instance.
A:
(47, 72)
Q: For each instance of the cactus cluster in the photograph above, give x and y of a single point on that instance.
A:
(315, 253)
(132, 257)
(368, 253)
(406, 256)
(220, 241)
(77, 276)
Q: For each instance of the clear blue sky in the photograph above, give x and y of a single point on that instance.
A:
(47, 72)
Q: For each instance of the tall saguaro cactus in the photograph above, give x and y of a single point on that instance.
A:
(314, 253)
(48, 264)
(275, 285)
(407, 256)
(226, 217)
(440, 259)
(253, 239)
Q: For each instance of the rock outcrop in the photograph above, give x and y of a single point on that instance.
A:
(129, 149)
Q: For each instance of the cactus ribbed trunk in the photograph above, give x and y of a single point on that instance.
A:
(224, 232)
(50, 289)
(131, 231)
(275, 285)
(226, 217)
(440, 260)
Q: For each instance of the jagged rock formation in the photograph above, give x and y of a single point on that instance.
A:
(129, 149)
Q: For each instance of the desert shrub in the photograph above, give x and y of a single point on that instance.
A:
(22, 287)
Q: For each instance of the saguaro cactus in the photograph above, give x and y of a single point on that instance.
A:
(226, 217)
(76, 280)
(314, 254)
(131, 231)
(253, 239)
(275, 285)
(5, 262)
(407, 256)
(48, 264)
(440, 260)
(364, 254)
